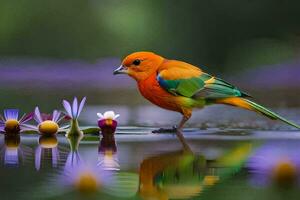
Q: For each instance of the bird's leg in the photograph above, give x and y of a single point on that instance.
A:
(180, 135)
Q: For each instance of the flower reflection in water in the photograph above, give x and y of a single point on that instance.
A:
(47, 151)
(125, 184)
(15, 154)
(83, 177)
(275, 164)
(77, 176)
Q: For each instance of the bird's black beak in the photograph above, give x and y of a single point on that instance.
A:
(121, 70)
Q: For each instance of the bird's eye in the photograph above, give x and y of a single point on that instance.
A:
(136, 62)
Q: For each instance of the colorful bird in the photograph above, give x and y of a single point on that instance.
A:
(179, 86)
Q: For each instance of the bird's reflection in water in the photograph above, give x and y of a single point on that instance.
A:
(13, 153)
(47, 153)
(183, 175)
(176, 174)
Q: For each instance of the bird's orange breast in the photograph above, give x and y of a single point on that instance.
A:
(152, 91)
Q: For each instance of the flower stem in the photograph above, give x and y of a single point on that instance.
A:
(74, 129)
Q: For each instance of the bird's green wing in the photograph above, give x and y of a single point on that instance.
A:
(218, 88)
(185, 87)
(201, 86)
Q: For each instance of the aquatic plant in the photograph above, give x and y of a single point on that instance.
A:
(48, 124)
(74, 112)
(12, 124)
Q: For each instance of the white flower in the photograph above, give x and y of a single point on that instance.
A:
(108, 115)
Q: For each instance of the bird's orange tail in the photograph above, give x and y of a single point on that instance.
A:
(235, 101)
(250, 105)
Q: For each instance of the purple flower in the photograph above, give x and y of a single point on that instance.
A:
(275, 163)
(11, 122)
(48, 124)
(74, 110)
(83, 177)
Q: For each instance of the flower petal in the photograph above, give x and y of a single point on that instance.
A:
(37, 115)
(2, 119)
(55, 116)
(38, 155)
(67, 107)
(73, 160)
(11, 114)
(28, 127)
(25, 118)
(81, 105)
(109, 114)
(64, 128)
(22, 117)
(75, 108)
(116, 116)
(55, 157)
(2, 128)
(11, 156)
(100, 115)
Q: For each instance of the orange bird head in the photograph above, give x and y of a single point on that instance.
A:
(140, 65)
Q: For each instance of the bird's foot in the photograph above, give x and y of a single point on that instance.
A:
(172, 130)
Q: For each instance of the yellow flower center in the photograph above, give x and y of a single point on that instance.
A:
(108, 122)
(109, 153)
(285, 173)
(87, 183)
(48, 141)
(12, 125)
(48, 127)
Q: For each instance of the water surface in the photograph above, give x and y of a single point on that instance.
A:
(136, 164)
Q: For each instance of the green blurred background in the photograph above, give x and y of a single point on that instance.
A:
(239, 40)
